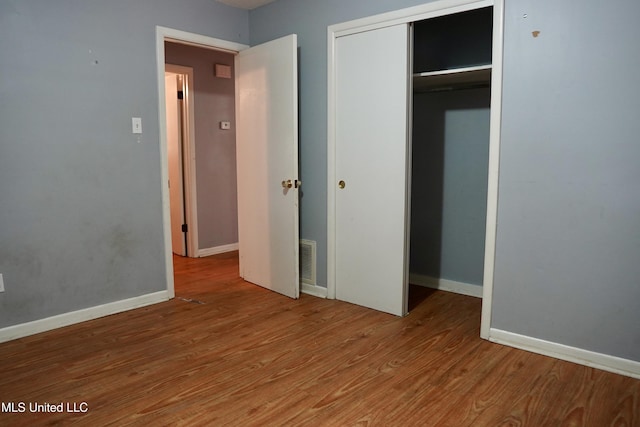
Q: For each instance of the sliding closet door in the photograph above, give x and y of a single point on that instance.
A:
(372, 77)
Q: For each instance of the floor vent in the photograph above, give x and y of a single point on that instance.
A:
(308, 261)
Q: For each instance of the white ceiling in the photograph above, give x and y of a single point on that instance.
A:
(246, 4)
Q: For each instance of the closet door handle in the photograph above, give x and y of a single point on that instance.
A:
(342, 184)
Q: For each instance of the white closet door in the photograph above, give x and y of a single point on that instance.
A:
(372, 82)
(267, 165)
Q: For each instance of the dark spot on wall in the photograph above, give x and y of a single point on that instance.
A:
(120, 242)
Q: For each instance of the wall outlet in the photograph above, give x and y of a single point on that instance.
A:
(1, 283)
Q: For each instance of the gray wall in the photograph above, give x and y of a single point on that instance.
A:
(215, 149)
(568, 248)
(80, 220)
(568, 239)
(449, 184)
(80, 198)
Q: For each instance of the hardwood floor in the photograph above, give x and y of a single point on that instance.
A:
(230, 353)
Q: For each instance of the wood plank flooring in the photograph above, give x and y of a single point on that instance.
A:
(230, 353)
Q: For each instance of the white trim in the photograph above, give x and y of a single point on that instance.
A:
(177, 36)
(580, 356)
(494, 168)
(314, 290)
(446, 285)
(217, 250)
(189, 159)
(198, 40)
(66, 319)
(412, 14)
(331, 164)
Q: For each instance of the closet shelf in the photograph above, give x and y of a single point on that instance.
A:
(452, 79)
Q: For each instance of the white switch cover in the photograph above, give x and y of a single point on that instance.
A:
(1, 283)
(136, 125)
(225, 125)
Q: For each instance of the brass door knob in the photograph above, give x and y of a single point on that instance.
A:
(296, 183)
(341, 184)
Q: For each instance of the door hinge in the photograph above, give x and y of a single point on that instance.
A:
(180, 94)
(185, 228)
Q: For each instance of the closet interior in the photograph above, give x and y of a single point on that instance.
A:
(450, 149)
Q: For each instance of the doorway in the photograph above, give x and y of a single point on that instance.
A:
(164, 35)
(211, 154)
(268, 184)
(379, 38)
(451, 102)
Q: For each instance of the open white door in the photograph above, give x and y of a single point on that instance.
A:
(267, 164)
(371, 139)
(174, 154)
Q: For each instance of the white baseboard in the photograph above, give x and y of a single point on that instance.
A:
(314, 290)
(35, 327)
(446, 285)
(592, 359)
(217, 250)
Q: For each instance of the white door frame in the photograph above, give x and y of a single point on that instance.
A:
(412, 14)
(188, 157)
(177, 36)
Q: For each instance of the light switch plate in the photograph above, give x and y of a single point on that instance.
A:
(136, 125)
